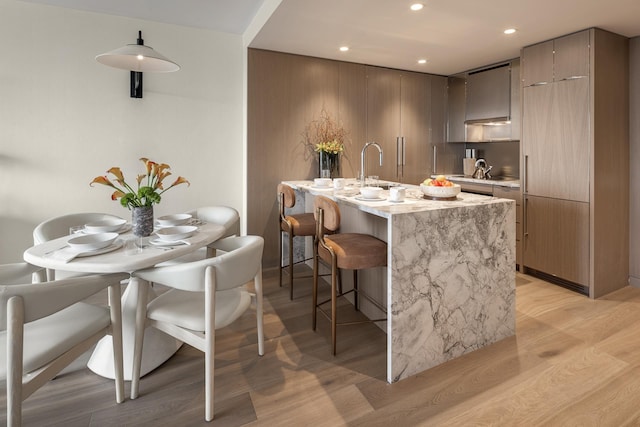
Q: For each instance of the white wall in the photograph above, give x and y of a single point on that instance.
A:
(64, 118)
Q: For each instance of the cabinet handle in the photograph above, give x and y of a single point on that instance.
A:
(397, 156)
(524, 175)
(573, 78)
(404, 154)
(525, 229)
(435, 158)
(539, 84)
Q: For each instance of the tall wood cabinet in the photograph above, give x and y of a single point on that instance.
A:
(575, 148)
(399, 107)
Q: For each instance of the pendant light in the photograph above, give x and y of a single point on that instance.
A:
(138, 58)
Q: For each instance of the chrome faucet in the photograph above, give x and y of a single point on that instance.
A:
(363, 175)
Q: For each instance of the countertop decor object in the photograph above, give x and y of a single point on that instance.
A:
(149, 192)
(327, 138)
(138, 58)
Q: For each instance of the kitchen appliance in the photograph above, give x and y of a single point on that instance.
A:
(469, 162)
(482, 170)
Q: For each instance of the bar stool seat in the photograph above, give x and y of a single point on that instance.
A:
(303, 224)
(351, 251)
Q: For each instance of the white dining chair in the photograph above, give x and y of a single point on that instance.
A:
(206, 295)
(59, 226)
(45, 326)
(225, 216)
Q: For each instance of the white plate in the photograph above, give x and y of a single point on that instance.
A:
(179, 232)
(105, 226)
(91, 242)
(325, 187)
(173, 220)
(160, 242)
(112, 247)
(376, 199)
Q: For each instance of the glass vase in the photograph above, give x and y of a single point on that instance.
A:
(142, 221)
(329, 164)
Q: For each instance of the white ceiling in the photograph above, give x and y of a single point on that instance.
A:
(453, 35)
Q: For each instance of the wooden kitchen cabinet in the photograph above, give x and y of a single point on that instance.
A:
(557, 238)
(571, 56)
(556, 140)
(398, 118)
(563, 58)
(575, 150)
(537, 64)
(513, 193)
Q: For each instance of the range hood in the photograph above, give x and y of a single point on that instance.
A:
(488, 97)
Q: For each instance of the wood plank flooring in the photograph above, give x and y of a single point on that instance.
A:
(573, 362)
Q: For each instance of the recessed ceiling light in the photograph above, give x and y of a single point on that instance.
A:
(422, 61)
(510, 31)
(344, 48)
(417, 6)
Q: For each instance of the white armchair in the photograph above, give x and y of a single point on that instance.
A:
(59, 227)
(44, 327)
(225, 216)
(206, 295)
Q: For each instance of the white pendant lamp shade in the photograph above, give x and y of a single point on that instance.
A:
(140, 58)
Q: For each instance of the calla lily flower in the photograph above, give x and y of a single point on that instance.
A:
(101, 180)
(149, 185)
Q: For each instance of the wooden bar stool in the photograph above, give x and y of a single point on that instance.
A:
(351, 251)
(294, 225)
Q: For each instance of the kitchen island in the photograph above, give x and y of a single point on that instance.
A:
(449, 284)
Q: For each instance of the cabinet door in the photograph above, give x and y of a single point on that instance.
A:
(352, 113)
(415, 156)
(556, 238)
(455, 109)
(571, 56)
(537, 64)
(513, 194)
(383, 121)
(555, 140)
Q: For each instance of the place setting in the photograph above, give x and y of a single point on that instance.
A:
(83, 245)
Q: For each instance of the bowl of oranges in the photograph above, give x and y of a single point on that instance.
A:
(439, 188)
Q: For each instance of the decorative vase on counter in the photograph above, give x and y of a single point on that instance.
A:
(329, 164)
(142, 221)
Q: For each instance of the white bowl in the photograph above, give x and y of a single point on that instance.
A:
(371, 192)
(171, 234)
(105, 225)
(92, 242)
(440, 192)
(322, 182)
(173, 220)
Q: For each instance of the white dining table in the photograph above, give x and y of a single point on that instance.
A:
(158, 347)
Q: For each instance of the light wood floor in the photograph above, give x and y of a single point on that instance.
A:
(573, 362)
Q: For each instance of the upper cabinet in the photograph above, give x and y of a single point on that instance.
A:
(555, 60)
(483, 105)
(489, 94)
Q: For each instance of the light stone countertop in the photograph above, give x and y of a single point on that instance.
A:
(414, 202)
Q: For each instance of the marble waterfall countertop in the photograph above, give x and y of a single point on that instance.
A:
(414, 201)
(449, 284)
